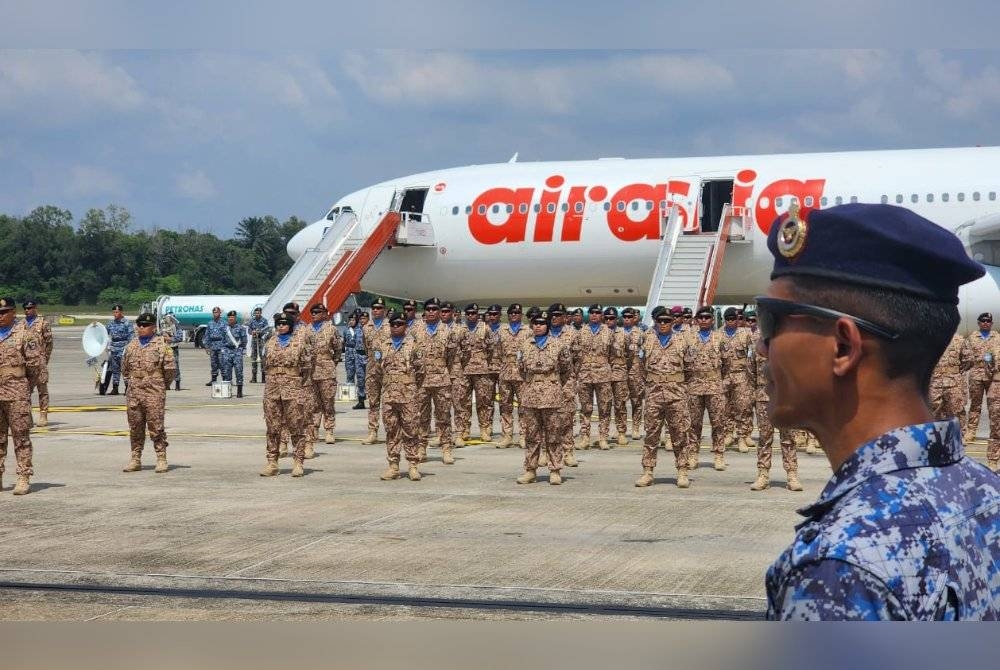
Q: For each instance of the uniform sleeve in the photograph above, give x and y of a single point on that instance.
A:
(169, 367)
(34, 356)
(832, 590)
(337, 345)
(47, 339)
(126, 362)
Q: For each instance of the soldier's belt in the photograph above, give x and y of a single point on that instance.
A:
(949, 371)
(11, 371)
(400, 378)
(283, 368)
(660, 378)
(542, 376)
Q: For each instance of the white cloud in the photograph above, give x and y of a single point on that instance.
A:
(90, 180)
(195, 186)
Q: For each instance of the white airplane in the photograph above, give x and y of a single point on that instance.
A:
(590, 231)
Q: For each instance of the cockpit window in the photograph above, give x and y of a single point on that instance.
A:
(332, 214)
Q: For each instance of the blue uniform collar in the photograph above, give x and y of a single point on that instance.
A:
(5, 332)
(664, 339)
(730, 331)
(515, 327)
(704, 335)
(283, 340)
(143, 341)
(985, 334)
(594, 327)
(432, 327)
(540, 341)
(556, 331)
(378, 323)
(933, 444)
(317, 325)
(30, 319)
(397, 342)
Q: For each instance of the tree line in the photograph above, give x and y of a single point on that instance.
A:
(100, 260)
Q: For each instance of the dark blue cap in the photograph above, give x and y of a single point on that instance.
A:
(872, 245)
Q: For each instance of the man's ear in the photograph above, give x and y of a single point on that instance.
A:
(849, 343)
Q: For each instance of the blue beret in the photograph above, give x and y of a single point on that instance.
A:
(872, 245)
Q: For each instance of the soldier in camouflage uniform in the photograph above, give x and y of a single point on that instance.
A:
(361, 358)
(450, 325)
(992, 353)
(257, 329)
(148, 369)
(619, 375)
(947, 392)
(400, 363)
(662, 354)
(477, 348)
(173, 335)
(907, 528)
(234, 347)
(287, 365)
(305, 335)
(372, 335)
(737, 384)
(493, 313)
(634, 335)
(327, 347)
(979, 375)
(213, 339)
(545, 365)
(597, 349)
(121, 332)
(703, 372)
(512, 335)
(569, 337)
(42, 331)
(436, 351)
(21, 356)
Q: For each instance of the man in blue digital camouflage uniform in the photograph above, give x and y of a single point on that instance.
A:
(861, 305)
(233, 349)
(121, 331)
(213, 338)
(257, 329)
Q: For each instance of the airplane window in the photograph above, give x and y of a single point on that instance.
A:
(930, 197)
(914, 198)
(523, 208)
(823, 201)
(333, 214)
(649, 205)
(482, 209)
(496, 209)
(537, 208)
(579, 208)
(884, 199)
(607, 206)
(551, 208)
(944, 197)
(510, 208)
(839, 200)
(635, 205)
(663, 204)
(778, 201)
(854, 199)
(454, 211)
(468, 209)
(621, 206)
(808, 201)
(961, 197)
(993, 196)
(565, 207)
(899, 198)
(975, 196)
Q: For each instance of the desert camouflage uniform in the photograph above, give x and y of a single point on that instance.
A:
(594, 377)
(979, 378)
(477, 348)
(436, 350)
(545, 369)
(510, 374)
(42, 332)
(495, 365)
(703, 375)
(21, 356)
(666, 396)
(568, 337)
(285, 370)
(148, 371)
(765, 442)
(400, 368)
(993, 404)
(947, 391)
(619, 380)
(737, 384)
(636, 381)
(327, 354)
(907, 528)
(371, 337)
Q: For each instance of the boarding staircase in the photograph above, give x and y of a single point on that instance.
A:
(688, 264)
(332, 270)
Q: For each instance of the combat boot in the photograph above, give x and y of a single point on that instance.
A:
(692, 460)
(570, 460)
(372, 437)
(505, 441)
(646, 479)
(622, 440)
(446, 456)
(527, 478)
(177, 385)
(682, 479)
(328, 436)
(523, 445)
(720, 462)
(485, 436)
(271, 469)
(555, 478)
(134, 464)
(636, 430)
(603, 444)
(422, 454)
(22, 486)
(792, 482)
(360, 404)
(543, 458)
(741, 445)
(392, 472)
(161, 464)
(297, 469)
(43, 418)
(239, 390)
(114, 389)
(459, 442)
(668, 444)
(729, 440)
(310, 451)
(799, 440)
(583, 442)
(763, 480)
(812, 446)
(283, 450)
(414, 474)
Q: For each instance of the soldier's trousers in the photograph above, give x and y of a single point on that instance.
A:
(401, 425)
(440, 397)
(619, 398)
(361, 374)
(256, 355)
(15, 419)
(115, 364)
(739, 405)
(543, 428)
(146, 412)
(636, 396)
(482, 385)
(232, 359)
(509, 390)
(765, 442)
(41, 382)
(177, 362)
(586, 392)
(325, 404)
(716, 406)
(284, 414)
(993, 407)
(568, 411)
(373, 393)
(977, 389)
(948, 400)
(215, 357)
(349, 367)
(674, 417)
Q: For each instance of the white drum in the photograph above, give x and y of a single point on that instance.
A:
(222, 390)
(347, 392)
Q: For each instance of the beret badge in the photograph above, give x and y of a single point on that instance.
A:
(792, 234)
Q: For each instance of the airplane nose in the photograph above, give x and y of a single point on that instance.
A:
(300, 242)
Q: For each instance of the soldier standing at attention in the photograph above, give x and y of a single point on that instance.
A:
(477, 348)
(410, 312)
(21, 356)
(636, 384)
(42, 331)
(121, 332)
(327, 348)
(594, 378)
(257, 328)
(546, 366)
(371, 336)
(213, 340)
(512, 335)
(173, 335)
(349, 368)
(399, 361)
(234, 347)
(287, 364)
(360, 358)
(619, 375)
(493, 313)
(454, 368)
(569, 338)
(737, 385)
(947, 391)
(436, 350)
(979, 375)
(307, 397)
(703, 373)
(577, 321)
(662, 353)
(148, 368)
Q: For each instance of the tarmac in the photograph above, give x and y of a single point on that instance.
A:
(212, 540)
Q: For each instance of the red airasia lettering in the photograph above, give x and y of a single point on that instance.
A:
(766, 211)
(513, 229)
(545, 221)
(680, 189)
(623, 227)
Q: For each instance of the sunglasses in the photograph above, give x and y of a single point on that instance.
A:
(771, 311)
(493, 313)
(516, 311)
(432, 308)
(730, 318)
(986, 321)
(703, 316)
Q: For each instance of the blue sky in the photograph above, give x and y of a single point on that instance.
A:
(202, 138)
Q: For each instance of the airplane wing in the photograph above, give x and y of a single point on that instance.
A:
(981, 229)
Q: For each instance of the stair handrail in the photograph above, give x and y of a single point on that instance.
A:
(671, 233)
(711, 277)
